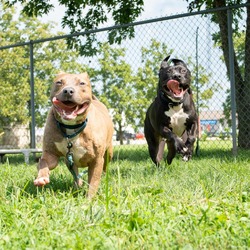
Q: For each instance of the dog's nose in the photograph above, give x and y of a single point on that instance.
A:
(176, 76)
(68, 91)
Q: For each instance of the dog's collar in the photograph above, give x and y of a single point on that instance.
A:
(69, 155)
(80, 127)
(167, 101)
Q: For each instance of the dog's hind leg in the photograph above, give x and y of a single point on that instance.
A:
(152, 141)
(153, 155)
(107, 158)
(160, 152)
(153, 147)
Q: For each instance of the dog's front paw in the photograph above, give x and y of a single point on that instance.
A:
(184, 151)
(186, 157)
(181, 147)
(187, 154)
(78, 184)
(41, 181)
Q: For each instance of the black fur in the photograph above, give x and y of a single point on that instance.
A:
(157, 124)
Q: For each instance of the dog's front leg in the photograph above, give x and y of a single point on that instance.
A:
(94, 176)
(46, 163)
(189, 143)
(174, 144)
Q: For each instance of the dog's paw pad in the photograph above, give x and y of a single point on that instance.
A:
(41, 181)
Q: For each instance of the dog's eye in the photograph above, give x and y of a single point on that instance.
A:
(59, 82)
(82, 83)
(183, 71)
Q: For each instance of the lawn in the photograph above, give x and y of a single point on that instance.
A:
(201, 204)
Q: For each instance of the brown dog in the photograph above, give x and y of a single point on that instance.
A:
(79, 128)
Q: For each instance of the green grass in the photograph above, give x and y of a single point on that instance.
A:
(201, 204)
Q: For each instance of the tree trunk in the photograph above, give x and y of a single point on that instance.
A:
(120, 133)
(244, 124)
(242, 86)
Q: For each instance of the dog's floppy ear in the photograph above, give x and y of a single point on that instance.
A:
(178, 62)
(164, 63)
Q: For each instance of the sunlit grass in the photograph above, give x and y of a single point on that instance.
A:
(201, 204)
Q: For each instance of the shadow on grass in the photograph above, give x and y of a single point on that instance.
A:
(138, 153)
(57, 185)
(221, 153)
(63, 183)
(135, 153)
(19, 158)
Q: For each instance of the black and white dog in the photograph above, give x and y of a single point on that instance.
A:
(172, 118)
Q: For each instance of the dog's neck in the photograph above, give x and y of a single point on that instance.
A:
(166, 101)
(77, 128)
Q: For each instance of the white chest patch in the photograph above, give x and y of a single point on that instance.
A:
(177, 119)
(78, 150)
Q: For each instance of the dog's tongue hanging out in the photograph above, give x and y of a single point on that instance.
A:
(173, 85)
(69, 110)
(68, 106)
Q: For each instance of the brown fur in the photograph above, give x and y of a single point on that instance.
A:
(90, 146)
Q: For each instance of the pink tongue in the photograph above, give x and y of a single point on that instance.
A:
(70, 107)
(173, 85)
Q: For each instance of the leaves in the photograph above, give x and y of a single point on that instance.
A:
(49, 58)
(128, 92)
(85, 15)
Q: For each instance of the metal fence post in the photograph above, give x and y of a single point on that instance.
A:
(232, 79)
(197, 151)
(32, 98)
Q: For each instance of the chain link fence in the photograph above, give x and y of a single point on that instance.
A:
(189, 37)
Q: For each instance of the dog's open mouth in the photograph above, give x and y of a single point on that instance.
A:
(175, 90)
(69, 110)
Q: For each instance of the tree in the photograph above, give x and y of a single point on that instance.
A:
(242, 77)
(128, 94)
(239, 45)
(146, 80)
(147, 77)
(116, 89)
(85, 15)
(49, 58)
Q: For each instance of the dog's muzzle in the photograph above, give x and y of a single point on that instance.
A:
(174, 90)
(69, 110)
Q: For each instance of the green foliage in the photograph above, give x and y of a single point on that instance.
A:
(202, 87)
(49, 58)
(210, 4)
(128, 92)
(147, 76)
(201, 204)
(115, 81)
(239, 46)
(88, 15)
(241, 67)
